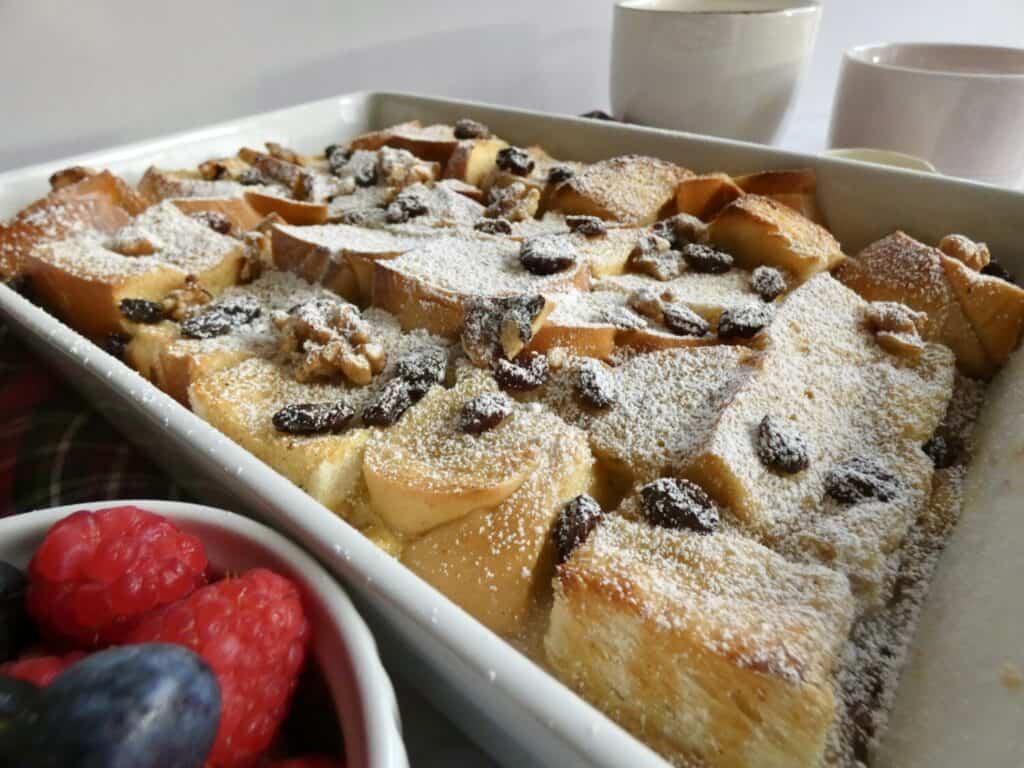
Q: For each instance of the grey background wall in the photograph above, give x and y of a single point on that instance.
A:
(82, 75)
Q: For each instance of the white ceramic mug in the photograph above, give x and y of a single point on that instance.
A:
(721, 67)
(961, 107)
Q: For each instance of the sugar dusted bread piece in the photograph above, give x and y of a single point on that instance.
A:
(241, 401)
(236, 210)
(824, 376)
(608, 254)
(159, 184)
(339, 256)
(977, 316)
(632, 189)
(473, 160)
(83, 279)
(796, 188)
(98, 202)
(497, 562)
(711, 649)
(705, 195)
(174, 362)
(429, 142)
(430, 286)
(758, 230)
(424, 471)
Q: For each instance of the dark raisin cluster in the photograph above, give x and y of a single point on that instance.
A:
(670, 502)
(406, 206)
(595, 386)
(142, 311)
(528, 371)
(780, 447)
(221, 318)
(547, 255)
(394, 399)
(706, 259)
(471, 129)
(768, 283)
(559, 173)
(683, 321)
(944, 449)
(744, 322)
(574, 524)
(588, 226)
(313, 418)
(861, 479)
(484, 412)
(515, 160)
(497, 226)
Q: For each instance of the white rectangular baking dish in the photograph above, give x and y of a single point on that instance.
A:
(952, 710)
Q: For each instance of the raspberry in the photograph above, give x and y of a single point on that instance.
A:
(40, 670)
(96, 573)
(252, 632)
(309, 762)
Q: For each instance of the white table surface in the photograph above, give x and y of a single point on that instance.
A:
(84, 75)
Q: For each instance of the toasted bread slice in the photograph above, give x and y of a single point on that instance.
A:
(159, 184)
(243, 217)
(797, 188)
(711, 649)
(84, 281)
(758, 230)
(608, 254)
(473, 160)
(704, 196)
(899, 268)
(296, 212)
(99, 202)
(428, 287)
(338, 255)
(497, 562)
(424, 471)
(632, 189)
(434, 143)
(994, 308)
(826, 380)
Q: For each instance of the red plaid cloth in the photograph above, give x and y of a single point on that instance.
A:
(54, 449)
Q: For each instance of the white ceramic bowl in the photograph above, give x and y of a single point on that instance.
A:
(343, 647)
(721, 67)
(961, 107)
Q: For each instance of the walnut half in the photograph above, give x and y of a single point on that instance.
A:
(326, 337)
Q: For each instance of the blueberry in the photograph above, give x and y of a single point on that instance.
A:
(16, 630)
(141, 706)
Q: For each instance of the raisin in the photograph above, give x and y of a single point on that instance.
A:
(547, 255)
(215, 220)
(22, 284)
(484, 412)
(595, 386)
(683, 321)
(675, 503)
(781, 448)
(404, 207)
(220, 319)
(366, 175)
(859, 479)
(526, 372)
(588, 226)
(744, 322)
(944, 449)
(515, 160)
(497, 226)
(115, 344)
(768, 283)
(142, 311)
(337, 157)
(421, 369)
(559, 173)
(574, 523)
(313, 418)
(706, 259)
(471, 129)
(666, 229)
(387, 408)
(995, 269)
(598, 114)
(250, 177)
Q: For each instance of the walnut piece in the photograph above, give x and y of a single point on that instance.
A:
(501, 326)
(178, 303)
(962, 248)
(653, 256)
(400, 168)
(283, 153)
(647, 303)
(897, 328)
(516, 202)
(327, 337)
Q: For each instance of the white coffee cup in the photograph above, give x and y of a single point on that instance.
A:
(721, 67)
(961, 107)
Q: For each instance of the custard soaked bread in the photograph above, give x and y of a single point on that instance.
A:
(710, 648)
(633, 420)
